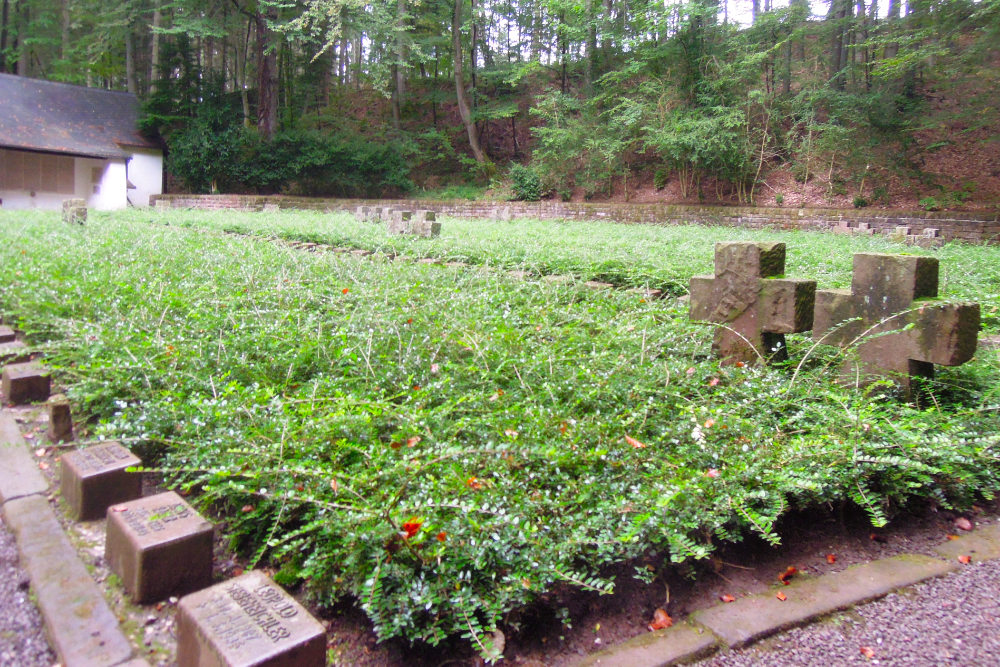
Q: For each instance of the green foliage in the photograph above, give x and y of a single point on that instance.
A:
(860, 202)
(210, 155)
(446, 445)
(525, 183)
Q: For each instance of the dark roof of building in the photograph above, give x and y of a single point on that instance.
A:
(61, 118)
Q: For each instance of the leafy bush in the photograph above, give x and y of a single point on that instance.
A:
(929, 204)
(210, 155)
(860, 202)
(525, 183)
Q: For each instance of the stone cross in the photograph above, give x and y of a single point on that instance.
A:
(754, 305)
(74, 211)
(892, 320)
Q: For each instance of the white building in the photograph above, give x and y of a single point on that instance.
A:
(59, 141)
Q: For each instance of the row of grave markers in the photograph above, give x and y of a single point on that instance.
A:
(416, 223)
(160, 546)
(890, 317)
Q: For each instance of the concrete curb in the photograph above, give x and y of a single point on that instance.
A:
(80, 625)
(754, 617)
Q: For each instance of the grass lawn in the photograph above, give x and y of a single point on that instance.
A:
(446, 444)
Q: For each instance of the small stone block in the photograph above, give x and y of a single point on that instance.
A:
(6, 334)
(247, 621)
(932, 232)
(159, 546)
(74, 211)
(25, 383)
(94, 478)
(61, 422)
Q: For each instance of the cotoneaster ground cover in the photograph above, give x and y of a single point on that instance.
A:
(443, 445)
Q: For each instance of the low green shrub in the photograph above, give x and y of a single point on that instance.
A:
(525, 183)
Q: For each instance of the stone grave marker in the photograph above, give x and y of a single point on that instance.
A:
(74, 211)
(245, 621)
(893, 322)
(25, 383)
(14, 352)
(60, 421)
(95, 478)
(400, 222)
(755, 308)
(159, 546)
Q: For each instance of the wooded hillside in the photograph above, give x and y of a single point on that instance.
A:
(740, 102)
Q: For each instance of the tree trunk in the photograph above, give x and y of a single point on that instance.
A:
(267, 76)
(892, 21)
(840, 11)
(20, 48)
(154, 50)
(131, 84)
(4, 18)
(463, 103)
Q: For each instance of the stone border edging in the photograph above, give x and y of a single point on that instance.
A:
(737, 624)
(80, 625)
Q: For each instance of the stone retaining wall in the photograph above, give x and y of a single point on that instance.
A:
(971, 227)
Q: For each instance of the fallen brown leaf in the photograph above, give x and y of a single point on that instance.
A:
(781, 596)
(831, 558)
(868, 652)
(635, 443)
(953, 537)
(661, 620)
(964, 559)
(790, 572)
(727, 598)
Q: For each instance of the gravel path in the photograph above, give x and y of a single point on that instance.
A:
(954, 620)
(22, 638)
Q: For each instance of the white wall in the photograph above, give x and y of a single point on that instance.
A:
(101, 183)
(145, 172)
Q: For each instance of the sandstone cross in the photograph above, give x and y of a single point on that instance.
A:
(892, 319)
(755, 306)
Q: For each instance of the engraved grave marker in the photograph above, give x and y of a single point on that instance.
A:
(756, 308)
(94, 478)
(247, 621)
(25, 383)
(159, 546)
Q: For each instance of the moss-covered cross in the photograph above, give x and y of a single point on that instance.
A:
(893, 323)
(754, 305)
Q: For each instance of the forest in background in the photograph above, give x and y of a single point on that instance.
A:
(684, 101)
